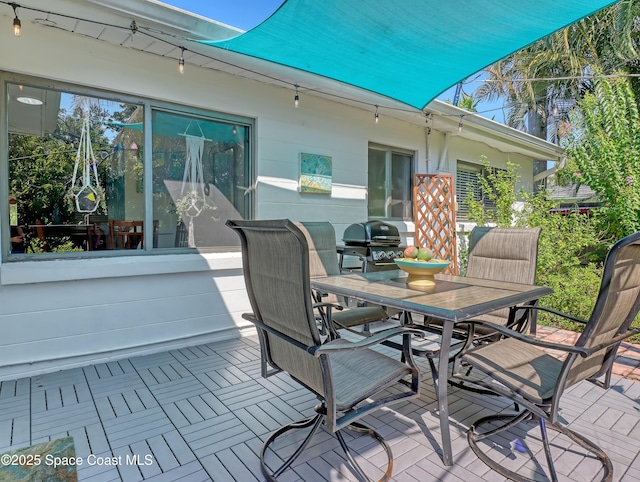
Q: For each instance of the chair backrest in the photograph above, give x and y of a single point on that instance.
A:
(41, 237)
(321, 239)
(323, 256)
(275, 261)
(126, 234)
(503, 254)
(181, 235)
(616, 307)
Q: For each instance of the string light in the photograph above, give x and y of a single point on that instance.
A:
(429, 118)
(147, 31)
(134, 28)
(296, 99)
(460, 125)
(17, 25)
(181, 61)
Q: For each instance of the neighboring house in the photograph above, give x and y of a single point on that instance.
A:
(574, 198)
(183, 153)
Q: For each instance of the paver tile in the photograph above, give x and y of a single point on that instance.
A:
(202, 413)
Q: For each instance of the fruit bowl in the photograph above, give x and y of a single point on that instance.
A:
(421, 272)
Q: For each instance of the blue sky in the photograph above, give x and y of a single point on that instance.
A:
(246, 14)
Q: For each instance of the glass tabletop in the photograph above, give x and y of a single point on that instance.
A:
(452, 298)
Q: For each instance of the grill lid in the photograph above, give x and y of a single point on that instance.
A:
(371, 233)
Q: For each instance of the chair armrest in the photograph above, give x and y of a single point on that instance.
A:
(328, 305)
(298, 344)
(249, 317)
(335, 345)
(583, 352)
(321, 294)
(550, 310)
(614, 340)
(376, 339)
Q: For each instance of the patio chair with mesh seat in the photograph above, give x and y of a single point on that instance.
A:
(516, 367)
(349, 378)
(500, 254)
(323, 261)
(504, 254)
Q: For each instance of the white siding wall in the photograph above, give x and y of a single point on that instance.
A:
(56, 314)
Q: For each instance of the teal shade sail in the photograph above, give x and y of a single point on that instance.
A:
(407, 50)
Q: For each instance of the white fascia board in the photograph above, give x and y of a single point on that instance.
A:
(170, 18)
(448, 117)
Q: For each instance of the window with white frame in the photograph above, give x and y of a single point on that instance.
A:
(84, 180)
(468, 186)
(390, 183)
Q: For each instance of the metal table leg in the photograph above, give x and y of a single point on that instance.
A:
(441, 392)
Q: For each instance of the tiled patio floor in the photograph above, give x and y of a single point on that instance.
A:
(627, 363)
(202, 413)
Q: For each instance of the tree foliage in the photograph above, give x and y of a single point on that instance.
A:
(604, 42)
(41, 168)
(570, 248)
(604, 153)
(466, 102)
(499, 187)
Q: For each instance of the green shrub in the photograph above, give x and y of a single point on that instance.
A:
(570, 250)
(603, 148)
(574, 292)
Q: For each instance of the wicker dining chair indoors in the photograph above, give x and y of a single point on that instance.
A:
(536, 380)
(323, 261)
(349, 378)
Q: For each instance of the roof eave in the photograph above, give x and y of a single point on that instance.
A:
(450, 116)
(171, 18)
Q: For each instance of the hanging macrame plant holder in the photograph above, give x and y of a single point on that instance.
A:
(85, 189)
(193, 181)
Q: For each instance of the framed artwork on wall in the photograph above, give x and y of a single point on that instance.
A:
(315, 173)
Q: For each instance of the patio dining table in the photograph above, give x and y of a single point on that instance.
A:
(453, 299)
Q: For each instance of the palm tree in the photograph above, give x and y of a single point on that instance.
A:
(604, 42)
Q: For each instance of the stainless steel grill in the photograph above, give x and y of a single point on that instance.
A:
(375, 243)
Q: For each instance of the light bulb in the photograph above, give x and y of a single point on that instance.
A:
(296, 99)
(460, 125)
(17, 27)
(181, 62)
(376, 116)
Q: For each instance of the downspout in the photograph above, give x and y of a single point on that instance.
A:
(427, 144)
(444, 152)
